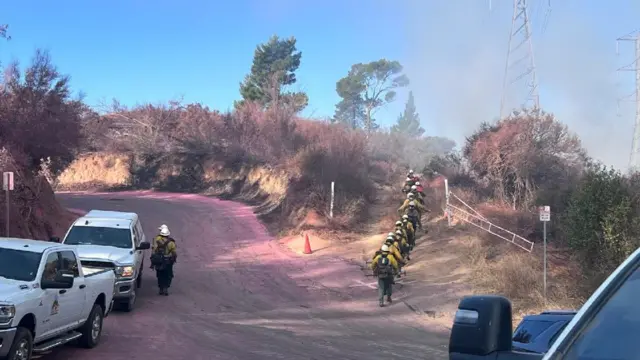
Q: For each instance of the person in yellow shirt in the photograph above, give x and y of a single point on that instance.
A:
(411, 197)
(385, 266)
(163, 257)
(390, 241)
(411, 233)
(402, 230)
(402, 244)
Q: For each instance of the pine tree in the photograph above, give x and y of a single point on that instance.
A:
(409, 121)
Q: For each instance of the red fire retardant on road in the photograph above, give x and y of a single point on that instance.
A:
(238, 295)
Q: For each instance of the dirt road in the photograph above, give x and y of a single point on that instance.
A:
(238, 295)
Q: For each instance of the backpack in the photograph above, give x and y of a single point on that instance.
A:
(384, 268)
(158, 258)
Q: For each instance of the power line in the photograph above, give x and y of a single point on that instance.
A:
(634, 36)
(520, 43)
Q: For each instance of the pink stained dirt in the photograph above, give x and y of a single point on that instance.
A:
(238, 294)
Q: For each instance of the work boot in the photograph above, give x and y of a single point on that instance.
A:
(381, 303)
(166, 292)
(389, 299)
(161, 291)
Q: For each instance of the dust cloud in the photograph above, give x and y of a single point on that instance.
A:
(456, 60)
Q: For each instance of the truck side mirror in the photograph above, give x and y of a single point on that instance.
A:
(481, 328)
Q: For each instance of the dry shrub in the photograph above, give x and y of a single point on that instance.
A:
(34, 211)
(523, 153)
(37, 116)
(39, 132)
(312, 154)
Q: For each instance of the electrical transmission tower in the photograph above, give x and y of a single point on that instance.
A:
(524, 67)
(634, 158)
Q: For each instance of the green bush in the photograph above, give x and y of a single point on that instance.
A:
(601, 222)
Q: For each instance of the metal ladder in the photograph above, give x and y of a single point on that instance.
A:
(484, 224)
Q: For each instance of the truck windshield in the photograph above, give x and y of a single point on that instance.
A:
(613, 332)
(102, 236)
(19, 264)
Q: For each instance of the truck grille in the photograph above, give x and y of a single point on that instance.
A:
(98, 264)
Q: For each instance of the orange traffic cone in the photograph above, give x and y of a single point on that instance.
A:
(307, 245)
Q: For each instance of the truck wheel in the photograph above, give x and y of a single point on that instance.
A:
(131, 303)
(22, 346)
(92, 329)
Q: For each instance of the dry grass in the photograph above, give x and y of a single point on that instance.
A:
(102, 169)
(500, 268)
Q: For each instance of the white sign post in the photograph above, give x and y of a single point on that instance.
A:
(545, 216)
(333, 196)
(7, 186)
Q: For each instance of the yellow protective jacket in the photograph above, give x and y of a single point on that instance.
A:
(409, 227)
(392, 260)
(400, 243)
(404, 231)
(395, 251)
(405, 206)
(170, 248)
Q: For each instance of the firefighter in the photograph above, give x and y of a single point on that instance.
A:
(163, 257)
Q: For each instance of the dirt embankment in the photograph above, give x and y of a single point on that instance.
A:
(33, 210)
(279, 196)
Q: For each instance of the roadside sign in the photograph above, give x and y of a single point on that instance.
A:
(545, 213)
(7, 181)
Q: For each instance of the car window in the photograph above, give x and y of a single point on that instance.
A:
(136, 235)
(19, 265)
(528, 330)
(613, 331)
(102, 236)
(70, 262)
(51, 267)
(140, 231)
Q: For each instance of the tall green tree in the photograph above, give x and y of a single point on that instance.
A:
(408, 123)
(350, 111)
(366, 88)
(274, 65)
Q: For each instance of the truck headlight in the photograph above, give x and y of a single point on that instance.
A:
(7, 312)
(126, 271)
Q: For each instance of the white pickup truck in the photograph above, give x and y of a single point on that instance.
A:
(606, 327)
(47, 299)
(112, 240)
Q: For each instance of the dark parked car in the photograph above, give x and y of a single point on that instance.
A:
(536, 333)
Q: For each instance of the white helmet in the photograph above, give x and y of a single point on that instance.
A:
(410, 195)
(410, 171)
(417, 183)
(412, 203)
(164, 230)
(390, 234)
(398, 232)
(398, 223)
(413, 187)
(385, 248)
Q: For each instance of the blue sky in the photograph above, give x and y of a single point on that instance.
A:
(454, 52)
(141, 51)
